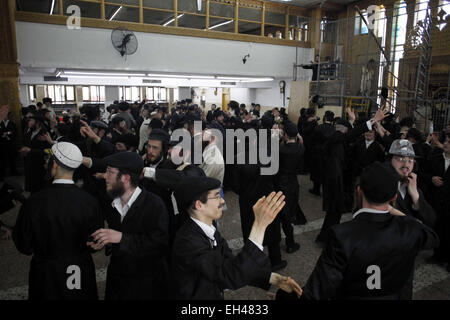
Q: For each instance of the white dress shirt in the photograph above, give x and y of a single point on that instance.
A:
(117, 203)
(370, 211)
(368, 143)
(210, 230)
(63, 181)
(447, 161)
(402, 188)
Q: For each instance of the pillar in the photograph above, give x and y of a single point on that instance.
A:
(9, 67)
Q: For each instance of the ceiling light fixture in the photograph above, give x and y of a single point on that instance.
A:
(114, 14)
(52, 7)
(172, 20)
(104, 74)
(96, 77)
(187, 76)
(221, 24)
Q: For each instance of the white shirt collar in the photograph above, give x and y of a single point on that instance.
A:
(368, 143)
(208, 230)
(402, 188)
(446, 161)
(63, 181)
(156, 164)
(368, 210)
(6, 121)
(117, 203)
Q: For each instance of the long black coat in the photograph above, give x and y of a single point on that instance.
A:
(138, 266)
(250, 186)
(335, 159)
(362, 156)
(389, 242)
(286, 180)
(439, 199)
(34, 162)
(318, 139)
(201, 271)
(53, 225)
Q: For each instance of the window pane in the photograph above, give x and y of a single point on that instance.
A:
(70, 96)
(127, 93)
(156, 93)
(121, 97)
(94, 93)
(31, 92)
(86, 95)
(102, 93)
(163, 94)
(59, 94)
(149, 93)
(51, 92)
(176, 94)
(135, 94)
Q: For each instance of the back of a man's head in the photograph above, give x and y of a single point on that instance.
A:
(378, 184)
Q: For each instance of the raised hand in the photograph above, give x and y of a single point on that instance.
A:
(267, 208)
(380, 115)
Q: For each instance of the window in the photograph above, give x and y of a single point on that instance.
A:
(60, 95)
(51, 92)
(421, 10)
(102, 93)
(360, 25)
(86, 94)
(149, 93)
(135, 94)
(176, 94)
(163, 94)
(445, 9)
(127, 94)
(31, 92)
(156, 93)
(70, 93)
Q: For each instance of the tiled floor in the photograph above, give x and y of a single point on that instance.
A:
(430, 281)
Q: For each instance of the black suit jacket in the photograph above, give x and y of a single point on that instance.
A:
(138, 266)
(201, 271)
(439, 197)
(364, 156)
(370, 239)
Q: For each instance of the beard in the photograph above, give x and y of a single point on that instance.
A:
(116, 190)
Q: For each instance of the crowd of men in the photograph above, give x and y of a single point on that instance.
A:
(112, 180)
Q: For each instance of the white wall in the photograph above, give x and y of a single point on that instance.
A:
(55, 46)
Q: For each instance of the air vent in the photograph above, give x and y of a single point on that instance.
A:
(150, 81)
(53, 78)
(228, 83)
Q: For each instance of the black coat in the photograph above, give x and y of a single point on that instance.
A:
(286, 180)
(250, 185)
(334, 164)
(53, 225)
(389, 242)
(34, 162)
(362, 156)
(138, 266)
(201, 271)
(318, 139)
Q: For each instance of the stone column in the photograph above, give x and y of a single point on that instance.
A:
(9, 67)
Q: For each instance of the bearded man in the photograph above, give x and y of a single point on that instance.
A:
(138, 223)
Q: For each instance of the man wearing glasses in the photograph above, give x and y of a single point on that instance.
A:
(410, 199)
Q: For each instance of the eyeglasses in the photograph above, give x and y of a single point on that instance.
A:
(405, 159)
(218, 197)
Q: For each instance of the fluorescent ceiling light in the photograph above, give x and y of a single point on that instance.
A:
(257, 80)
(246, 79)
(53, 6)
(117, 11)
(96, 77)
(221, 24)
(104, 74)
(189, 76)
(172, 20)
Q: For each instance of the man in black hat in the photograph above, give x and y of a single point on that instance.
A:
(53, 225)
(291, 153)
(8, 134)
(203, 264)
(371, 256)
(138, 231)
(318, 138)
(125, 113)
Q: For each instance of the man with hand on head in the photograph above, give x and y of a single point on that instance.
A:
(203, 265)
(372, 256)
(138, 231)
(53, 226)
(410, 199)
